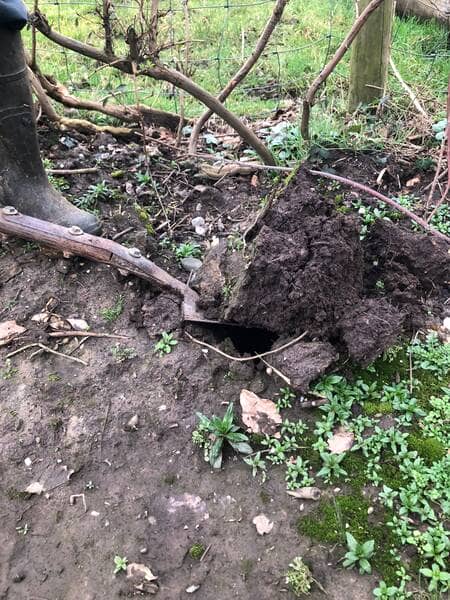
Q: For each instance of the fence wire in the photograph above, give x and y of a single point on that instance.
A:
(223, 35)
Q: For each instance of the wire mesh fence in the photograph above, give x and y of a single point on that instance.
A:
(209, 42)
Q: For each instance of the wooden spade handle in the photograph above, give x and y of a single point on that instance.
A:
(73, 241)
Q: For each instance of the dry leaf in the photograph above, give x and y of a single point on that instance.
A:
(8, 331)
(35, 488)
(341, 441)
(219, 171)
(57, 322)
(78, 324)
(306, 493)
(41, 317)
(412, 182)
(140, 570)
(262, 524)
(258, 414)
(254, 180)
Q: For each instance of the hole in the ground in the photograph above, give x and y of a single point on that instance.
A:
(251, 340)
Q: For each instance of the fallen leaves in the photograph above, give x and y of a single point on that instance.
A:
(341, 441)
(139, 569)
(263, 524)
(8, 331)
(258, 414)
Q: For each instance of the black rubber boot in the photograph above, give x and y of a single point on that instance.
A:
(23, 181)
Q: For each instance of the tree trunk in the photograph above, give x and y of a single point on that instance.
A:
(23, 181)
(370, 55)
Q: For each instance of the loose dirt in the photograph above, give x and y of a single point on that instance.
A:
(147, 493)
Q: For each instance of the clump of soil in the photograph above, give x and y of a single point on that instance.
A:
(308, 270)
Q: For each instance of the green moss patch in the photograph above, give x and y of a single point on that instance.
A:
(334, 517)
(430, 449)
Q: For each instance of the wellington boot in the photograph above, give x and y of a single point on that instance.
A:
(23, 181)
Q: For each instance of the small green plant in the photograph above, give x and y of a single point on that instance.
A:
(257, 464)
(212, 433)
(331, 466)
(299, 577)
(120, 564)
(165, 344)
(122, 353)
(23, 529)
(187, 250)
(235, 242)
(143, 178)
(94, 194)
(196, 551)
(358, 554)
(384, 591)
(285, 397)
(9, 371)
(112, 313)
(54, 377)
(439, 579)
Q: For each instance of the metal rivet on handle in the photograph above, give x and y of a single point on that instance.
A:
(75, 230)
(135, 252)
(9, 210)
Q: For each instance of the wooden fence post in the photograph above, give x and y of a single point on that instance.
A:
(370, 55)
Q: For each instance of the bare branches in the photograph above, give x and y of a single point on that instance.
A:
(360, 186)
(243, 71)
(329, 68)
(161, 73)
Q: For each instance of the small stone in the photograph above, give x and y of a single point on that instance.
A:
(370, 510)
(192, 588)
(191, 264)
(18, 577)
(132, 423)
(28, 462)
(446, 323)
(143, 550)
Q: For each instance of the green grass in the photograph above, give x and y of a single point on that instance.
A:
(305, 39)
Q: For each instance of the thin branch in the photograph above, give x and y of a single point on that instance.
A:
(160, 73)
(246, 358)
(386, 200)
(63, 334)
(415, 101)
(83, 171)
(329, 68)
(437, 174)
(447, 137)
(243, 71)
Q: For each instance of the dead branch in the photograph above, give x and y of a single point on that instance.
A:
(360, 186)
(63, 172)
(64, 122)
(308, 102)
(159, 72)
(86, 334)
(243, 71)
(129, 114)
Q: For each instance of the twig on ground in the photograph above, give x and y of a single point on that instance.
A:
(360, 186)
(277, 372)
(56, 353)
(205, 552)
(19, 350)
(245, 358)
(80, 343)
(122, 233)
(437, 176)
(63, 334)
(72, 171)
(326, 72)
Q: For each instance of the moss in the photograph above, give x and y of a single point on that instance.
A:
(14, 494)
(371, 408)
(307, 452)
(170, 478)
(265, 497)
(390, 473)
(430, 449)
(196, 551)
(335, 516)
(355, 465)
(246, 567)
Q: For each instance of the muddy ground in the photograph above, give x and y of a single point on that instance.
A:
(148, 494)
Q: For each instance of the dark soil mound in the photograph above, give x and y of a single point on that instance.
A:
(309, 270)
